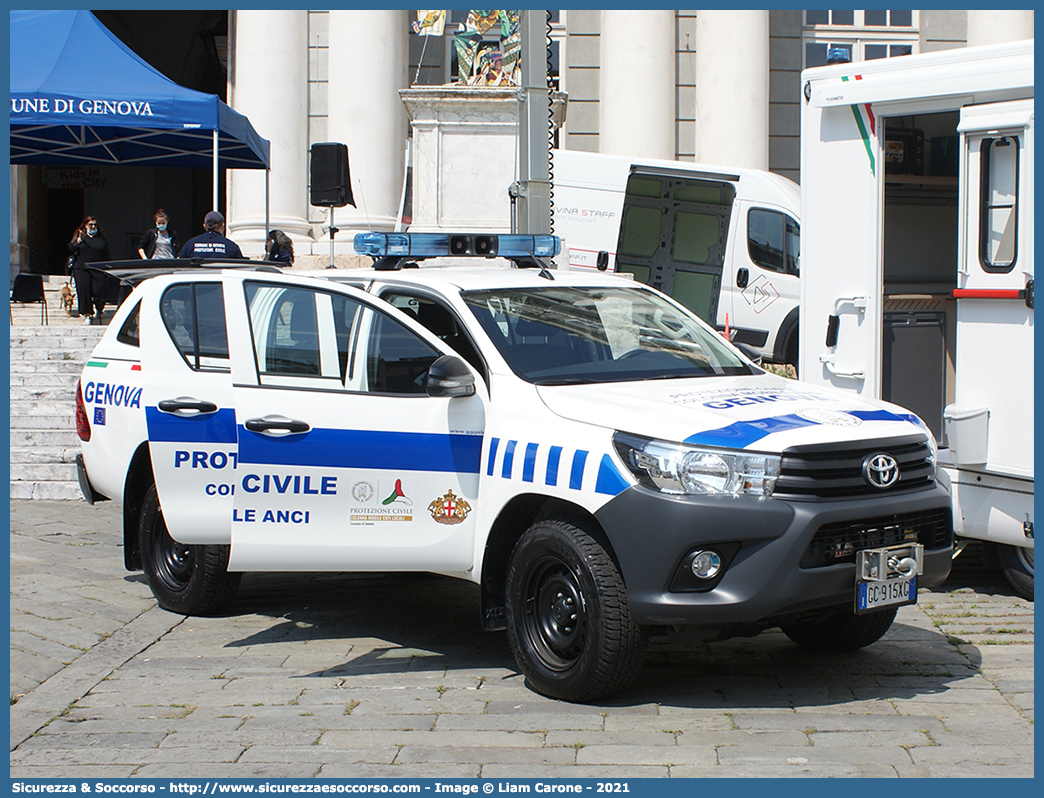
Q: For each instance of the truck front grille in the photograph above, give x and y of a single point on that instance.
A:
(839, 542)
(827, 471)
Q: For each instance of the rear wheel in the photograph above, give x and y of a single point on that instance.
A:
(842, 631)
(1017, 563)
(191, 580)
(568, 622)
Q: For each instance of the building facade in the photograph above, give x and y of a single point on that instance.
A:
(719, 87)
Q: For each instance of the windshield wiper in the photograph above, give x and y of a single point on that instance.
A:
(567, 381)
(621, 377)
(677, 376)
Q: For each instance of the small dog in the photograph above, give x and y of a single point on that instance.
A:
(67, 299)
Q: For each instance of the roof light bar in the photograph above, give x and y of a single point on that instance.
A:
(435, 245)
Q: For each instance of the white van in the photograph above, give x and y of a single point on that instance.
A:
(720, 240)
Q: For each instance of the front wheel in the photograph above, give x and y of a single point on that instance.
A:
(842, 631)
(1017, 563)
(568, 621)
(191, 580)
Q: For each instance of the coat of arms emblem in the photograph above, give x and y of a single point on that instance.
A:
(449, 509)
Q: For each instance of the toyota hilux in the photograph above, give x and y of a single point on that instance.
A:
(600, 462)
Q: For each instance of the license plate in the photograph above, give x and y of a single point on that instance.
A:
(887, 577)
(874, 595)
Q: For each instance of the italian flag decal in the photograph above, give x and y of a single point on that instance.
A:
(101, 364)
(867, 124)
(397, 496)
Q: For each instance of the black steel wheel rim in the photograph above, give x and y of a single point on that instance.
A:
(555, 618)
(172, 561)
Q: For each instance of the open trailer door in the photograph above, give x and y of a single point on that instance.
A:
(841, 252)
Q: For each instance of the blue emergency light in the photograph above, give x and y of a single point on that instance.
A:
(435, 245)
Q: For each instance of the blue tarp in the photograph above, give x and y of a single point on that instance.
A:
(80, 96)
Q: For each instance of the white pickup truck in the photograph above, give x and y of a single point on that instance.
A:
(592, 455)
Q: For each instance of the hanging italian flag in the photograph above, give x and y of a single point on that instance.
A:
(867, 124)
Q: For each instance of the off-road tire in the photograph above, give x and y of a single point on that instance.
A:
(568, 622)
(191, 580)
(843, 631)
(1017, 563)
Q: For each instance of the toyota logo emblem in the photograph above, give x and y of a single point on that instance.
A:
(881, 470)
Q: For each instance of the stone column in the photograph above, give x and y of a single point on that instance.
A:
(269, 85)
(636, 97)
(732, 88)
(995, 27)
(368, 67)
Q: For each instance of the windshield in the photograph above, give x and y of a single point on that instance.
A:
(563, 334)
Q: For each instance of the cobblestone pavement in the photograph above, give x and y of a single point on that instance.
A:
(390, 675)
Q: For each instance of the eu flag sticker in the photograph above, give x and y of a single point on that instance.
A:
(99, 416)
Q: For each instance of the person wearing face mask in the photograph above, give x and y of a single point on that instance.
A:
(161, 241)
(89, 245)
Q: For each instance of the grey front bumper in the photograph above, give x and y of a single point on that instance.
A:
(652, 533)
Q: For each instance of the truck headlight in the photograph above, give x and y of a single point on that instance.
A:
(933, 445)
(679, 468)
(933, 452)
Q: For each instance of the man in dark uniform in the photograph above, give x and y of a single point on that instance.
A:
(212, 245)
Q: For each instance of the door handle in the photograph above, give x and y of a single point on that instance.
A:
(277, 425)
(742, 276)
(829, 359)
(830, 365)
(187, 406)
(857, 302)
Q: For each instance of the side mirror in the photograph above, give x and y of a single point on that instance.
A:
(449, 376)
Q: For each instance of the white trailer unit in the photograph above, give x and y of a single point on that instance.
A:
(917, 265)
(722, 241)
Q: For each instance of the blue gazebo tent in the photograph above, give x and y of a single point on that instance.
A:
(79, 96)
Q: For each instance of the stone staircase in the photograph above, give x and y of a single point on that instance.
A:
(46, 362)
